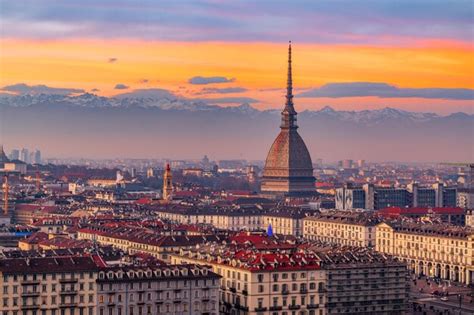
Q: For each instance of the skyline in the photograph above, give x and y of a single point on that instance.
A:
(352, 57)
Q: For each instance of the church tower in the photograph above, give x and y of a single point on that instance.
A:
(288, 168)
(167, 184)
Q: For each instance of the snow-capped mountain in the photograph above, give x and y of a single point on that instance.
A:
(164, 100)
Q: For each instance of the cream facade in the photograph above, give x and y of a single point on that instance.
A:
(172, 290)
(50, 286)
(272, 291)
(432, 250)
(339, 231)
(231, 220)
(283, 224)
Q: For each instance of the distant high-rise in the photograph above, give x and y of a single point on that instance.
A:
(150, 173)
(15, 154)
(37, 157)
(346, 164)
(25, 155)
(288, 168)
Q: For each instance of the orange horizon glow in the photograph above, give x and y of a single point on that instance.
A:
(83, 64)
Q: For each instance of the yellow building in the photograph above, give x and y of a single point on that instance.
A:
(256, 283)
(52, 285)
(434, 250)
(341, 227)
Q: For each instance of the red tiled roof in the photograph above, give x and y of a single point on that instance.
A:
(48, 264)
(35, 238)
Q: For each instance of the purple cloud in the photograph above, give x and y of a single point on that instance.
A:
(384, 90)
(228, 90)
(363, 21)
(22, 88)
(209, 80)
(120, 86)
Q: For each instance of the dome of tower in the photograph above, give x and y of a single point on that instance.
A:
(288, 156)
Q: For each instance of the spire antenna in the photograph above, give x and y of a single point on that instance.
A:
(289, 82)
(288, 119)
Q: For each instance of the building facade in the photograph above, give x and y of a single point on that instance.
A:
(270, 285)
(434, 250)
(340, 227)
(49, 286)
(173, 290)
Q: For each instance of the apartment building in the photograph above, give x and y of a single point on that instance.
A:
(257, 283)
(341, 227)
(435, 250)
(227, 218)
(147, 290)
(49, 285)
(140, 240)
(362, 281)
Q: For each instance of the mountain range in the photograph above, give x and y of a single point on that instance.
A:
(158, 123)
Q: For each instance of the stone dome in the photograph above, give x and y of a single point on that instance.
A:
(288, 156)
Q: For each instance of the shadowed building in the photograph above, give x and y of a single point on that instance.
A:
(288, 168)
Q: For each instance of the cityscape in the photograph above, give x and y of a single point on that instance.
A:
(213, 158)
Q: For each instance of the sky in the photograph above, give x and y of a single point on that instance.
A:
(414, 55)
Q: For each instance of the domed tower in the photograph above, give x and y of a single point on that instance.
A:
(288, 168)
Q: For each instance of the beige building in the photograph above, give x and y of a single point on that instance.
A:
(237, 219)
(284, 222)
(341, 227)
(137, 240)
(470, 218)
(256, 283)
(172, 290)
(52, 286)
(434, 250)
(370, 285)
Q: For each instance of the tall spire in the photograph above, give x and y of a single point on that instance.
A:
(289, 80)
(288, 115)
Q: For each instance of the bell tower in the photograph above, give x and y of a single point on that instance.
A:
(167, 184)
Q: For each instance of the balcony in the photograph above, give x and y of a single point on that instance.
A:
(276, 308)
(70, 280)
(245, 292)
(67, 305)
(30, 307)
(312, 306)
(285, 292)
(241, 307)
(233, 290)
(260, 309)
(27, 282)
(30, 293)
(294, 307)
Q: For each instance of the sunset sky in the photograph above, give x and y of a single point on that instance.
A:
(413, 55)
